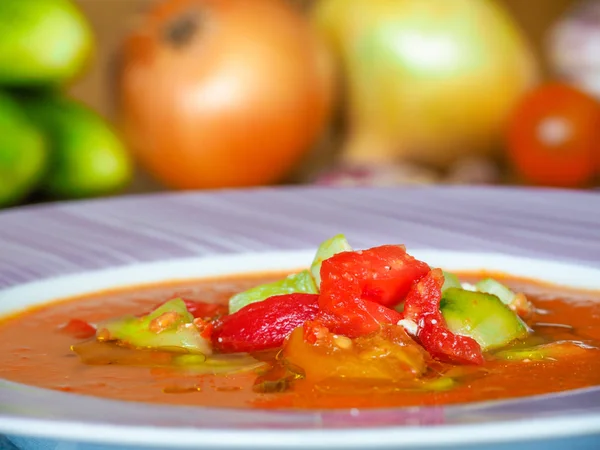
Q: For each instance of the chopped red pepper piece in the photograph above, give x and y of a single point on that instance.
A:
(422, 306)
(204, 327)
(263, 325)
(358, 288)
(79, 329)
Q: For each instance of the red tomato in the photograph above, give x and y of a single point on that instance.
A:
(205, 310)
(79, 329)
(554, 137)
(357, 288)
(263, 325)
(422, 306)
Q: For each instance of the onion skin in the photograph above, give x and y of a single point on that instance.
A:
(218, 94)
(426, 81)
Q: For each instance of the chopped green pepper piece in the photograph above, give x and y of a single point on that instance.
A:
(218, 364)
(105, 353)
(100, 353)
(437, 384)
(481, 316)
(450, 281)
(326, 250)
(298, 282)
(491, 286)
(189, 360)
(169, 328)
(551, 351)
(368, 386)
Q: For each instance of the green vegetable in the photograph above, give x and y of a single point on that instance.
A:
(176, 305)
(103, 353)
(481, 316)
(326, 250)
(106, 353)
(450, 281)
(437, 384)
(305, 282)
(219, 364)
(551, 351)
(369, 386)
(491, 286)
(169, 327)
(44, 42)
(189, 360)
(298, 282)
(86, 157)
(23, 153)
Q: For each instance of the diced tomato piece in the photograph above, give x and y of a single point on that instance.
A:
(444, 345)
(204, 310)
(263, 325)
(79, 329)
(422, 306)
(382, 314)
(391, 273)
(204, 327)
(425, 297)
(358, 288)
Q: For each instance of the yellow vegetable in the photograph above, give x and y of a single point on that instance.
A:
(426, 80)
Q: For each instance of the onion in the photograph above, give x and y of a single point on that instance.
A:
(427, 81)
(224, 93)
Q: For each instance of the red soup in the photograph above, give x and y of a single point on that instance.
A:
(291, 351)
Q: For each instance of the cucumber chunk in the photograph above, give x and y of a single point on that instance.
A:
(491, 286)
(169, 327)
(482, 317)
(307, 281)
(298, 282)
(552, 351)
(450, 281)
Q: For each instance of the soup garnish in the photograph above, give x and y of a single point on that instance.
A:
(374, 314)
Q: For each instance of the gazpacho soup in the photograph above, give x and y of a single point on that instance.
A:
(357, 329)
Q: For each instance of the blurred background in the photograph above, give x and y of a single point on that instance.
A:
(110, 97)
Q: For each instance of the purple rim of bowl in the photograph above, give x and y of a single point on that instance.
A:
(44, 241)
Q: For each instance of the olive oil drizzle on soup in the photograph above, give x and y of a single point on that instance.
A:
(35, 351)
